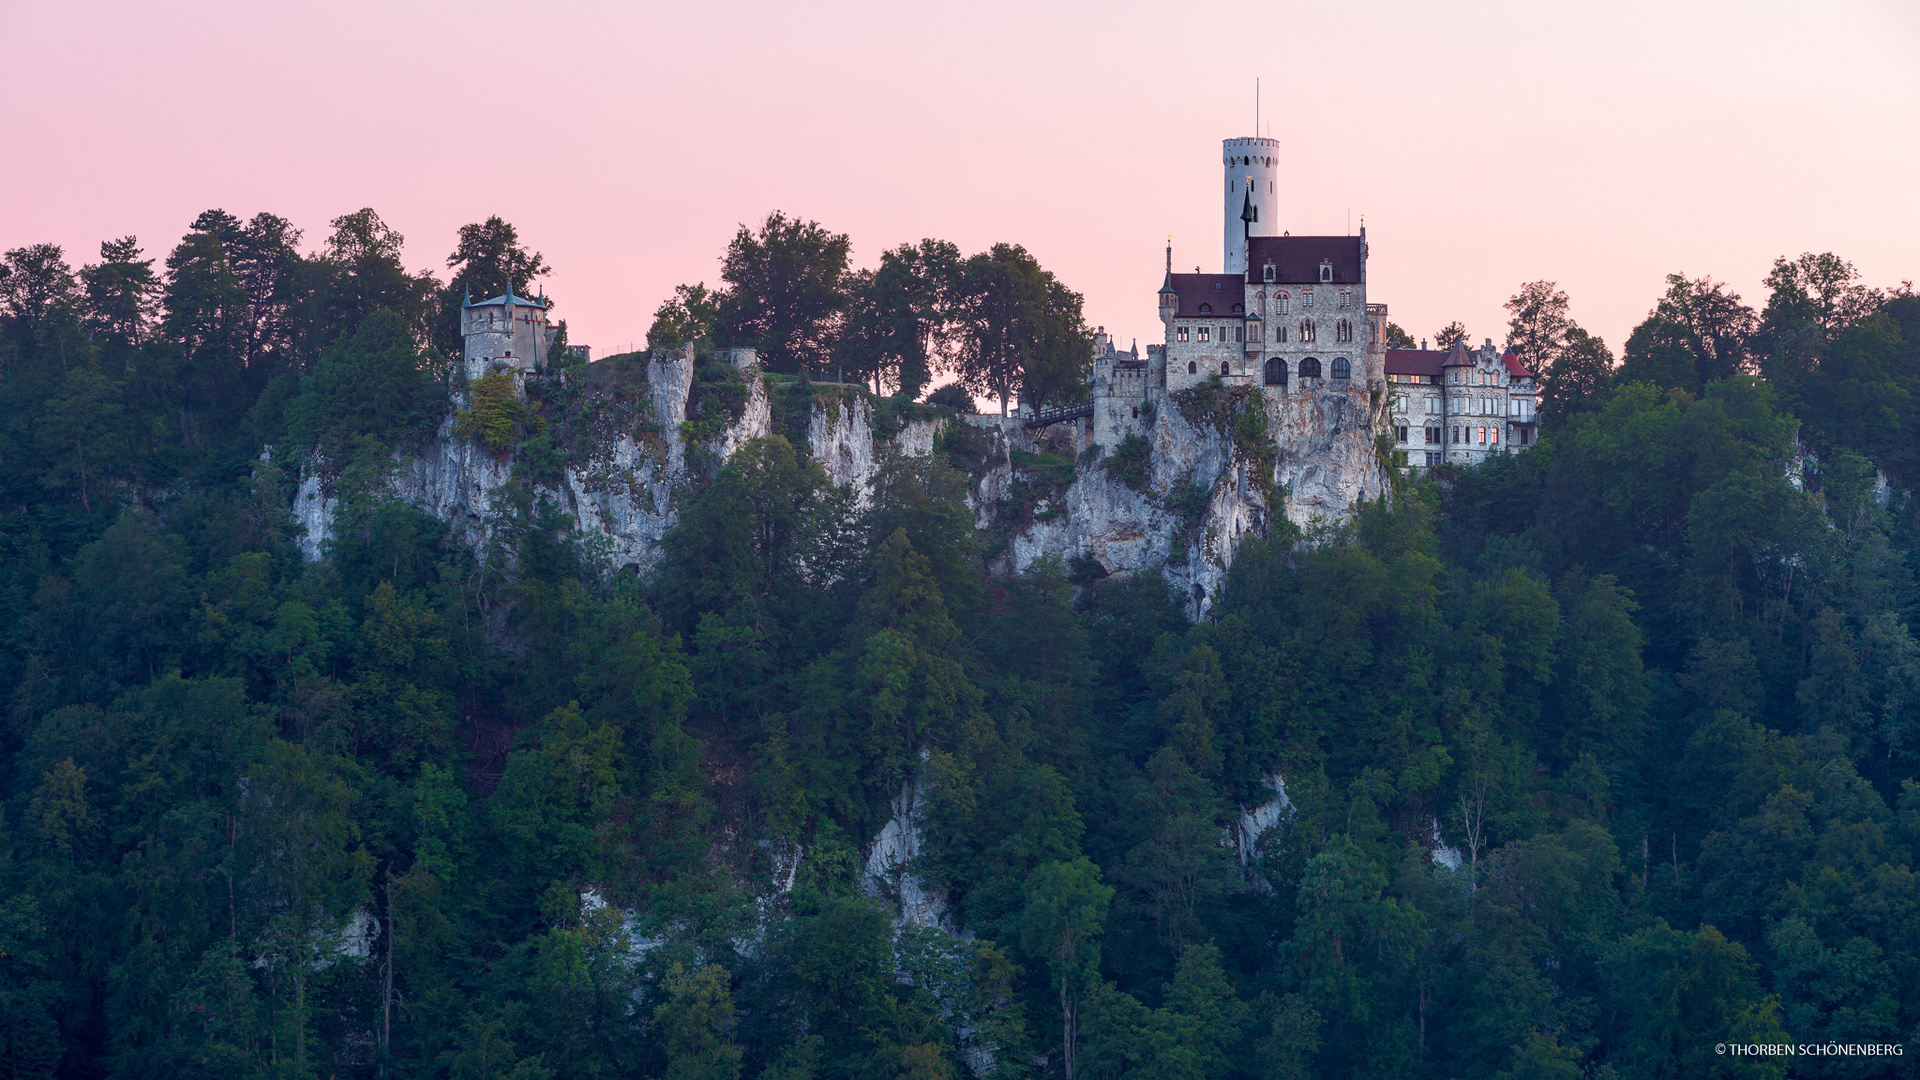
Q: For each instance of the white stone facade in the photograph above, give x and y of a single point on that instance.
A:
(1460, 406)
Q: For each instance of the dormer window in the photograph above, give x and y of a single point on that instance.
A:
(1267, 272)
(1239, 309)
(1326, 270)
(1206, 309)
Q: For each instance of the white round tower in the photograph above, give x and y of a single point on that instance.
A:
(1251, 197)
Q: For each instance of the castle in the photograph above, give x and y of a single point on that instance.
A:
(507, 333)
(1290, 314)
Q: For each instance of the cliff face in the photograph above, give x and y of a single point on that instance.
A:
(1198, 485)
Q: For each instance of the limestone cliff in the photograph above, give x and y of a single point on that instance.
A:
(1208, 469)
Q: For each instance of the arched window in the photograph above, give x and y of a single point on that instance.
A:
(1340, 368)
(1343, 331)
(1267, 272)
(1224, 371)
(1193, 367)
(1326, 271)
(1310, 368)
(1286, 303)
(1306, 330)
(1206, 309)
(1276, 372)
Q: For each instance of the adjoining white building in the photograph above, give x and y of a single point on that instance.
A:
(1458, 406)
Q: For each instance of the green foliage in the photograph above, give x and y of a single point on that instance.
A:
(417, 810)
(786, 288)
(953, 396)
(1128, 462)
(375, 384)
(494, 415)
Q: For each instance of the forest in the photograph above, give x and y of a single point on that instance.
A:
(1595, 758)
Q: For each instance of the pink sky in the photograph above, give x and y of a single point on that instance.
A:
(1601, 145)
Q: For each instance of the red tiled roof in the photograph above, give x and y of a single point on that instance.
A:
(1221, 291)
(1458, 356)
(1296, 259)
(1414, 361)
(1515, 369)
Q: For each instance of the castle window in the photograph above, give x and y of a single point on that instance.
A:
(1306, 330)
(1340, 368)
(1206, 309)
(1401, 432)
(1345, 296)
(1310, 368)
(1343, 331)
(1239, 309)
(1180, 333)
(1224, 371)
(1206, 333)
(1267, 272)
(1238, 333)
(1280, 333)
(1285, 304)
(1193, 368)
(1276, 373)
(1223, 335)
(1326, 271)
(1495, 434)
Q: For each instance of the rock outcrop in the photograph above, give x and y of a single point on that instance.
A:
(1046, 492)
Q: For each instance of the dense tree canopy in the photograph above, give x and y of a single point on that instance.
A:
(1593, 758)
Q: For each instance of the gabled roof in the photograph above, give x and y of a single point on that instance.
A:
(1296, 259)
(1414, 361)
(1515, 369)
(1221, 291)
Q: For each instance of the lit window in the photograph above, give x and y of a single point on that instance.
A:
(1180, 333)
(1206, 333)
